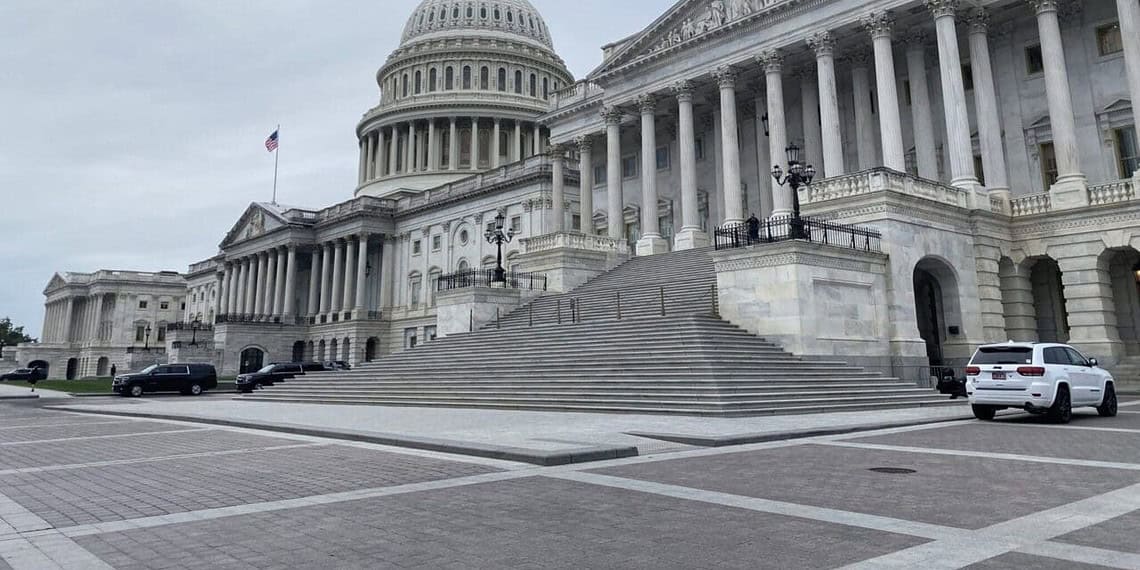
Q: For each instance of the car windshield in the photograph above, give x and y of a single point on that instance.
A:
(149, 369)
(268, 368)
(1003, 355)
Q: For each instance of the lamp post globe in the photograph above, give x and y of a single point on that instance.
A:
(798, 175)
(146, 343)
(498, 237)
(194, 326)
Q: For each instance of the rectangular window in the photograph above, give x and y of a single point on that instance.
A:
(516, 224)
(140, 332)
(164, 305)
(979, 170)
(663, 158)
(410, 338)
(1108, 40)
(629, 167)
(142, 304)
(161, 334)
(429, 334)
(436, 243)
(600, 175)
(1128, 151)
(968, 76)
(1048, 164)
(414, 286)
(576, 223)
(1034, 61)
(700, 147)
(416, 247)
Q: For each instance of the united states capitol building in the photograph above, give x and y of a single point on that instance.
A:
(989, 147)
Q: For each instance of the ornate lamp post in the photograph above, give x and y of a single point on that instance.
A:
(194, 326)
(798, 175)
(146, 343)
(498, 237)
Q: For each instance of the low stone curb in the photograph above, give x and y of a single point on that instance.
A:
(502, 452)
(747, 438)
(27, 397)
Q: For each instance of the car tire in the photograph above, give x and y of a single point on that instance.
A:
(1107, 408)
(1062, 409)
(195, 390)
(136, 390)
(984, 413)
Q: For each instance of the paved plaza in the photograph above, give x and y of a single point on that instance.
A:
(97, 491)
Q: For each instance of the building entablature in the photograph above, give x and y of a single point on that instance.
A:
(452, 105)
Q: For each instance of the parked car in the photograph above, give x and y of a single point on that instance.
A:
(26, 374)
(268, 375)
(189, 379)
(314, 367)
(337, 365)
(1040, 378)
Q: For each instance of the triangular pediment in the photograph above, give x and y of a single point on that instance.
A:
(256, 221)
(55, 283)
(687, 23)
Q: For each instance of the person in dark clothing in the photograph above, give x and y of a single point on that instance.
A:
(753, 229)
(113, 371)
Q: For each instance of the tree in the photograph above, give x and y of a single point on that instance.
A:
(11, 335)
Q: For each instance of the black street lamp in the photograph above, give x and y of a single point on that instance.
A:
(146, 343)
(194, 326)
(798, 175)
(498, 237)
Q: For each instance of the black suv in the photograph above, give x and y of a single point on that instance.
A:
(28, 374)
(189, 379)
(268, 375)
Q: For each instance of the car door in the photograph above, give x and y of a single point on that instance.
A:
(155, 378)
(1086, 380)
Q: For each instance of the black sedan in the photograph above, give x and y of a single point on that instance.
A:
(26, 374)
(267, 376)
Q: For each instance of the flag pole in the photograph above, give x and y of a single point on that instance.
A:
(276, 157)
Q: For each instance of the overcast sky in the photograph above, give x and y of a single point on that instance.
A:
(131, 131)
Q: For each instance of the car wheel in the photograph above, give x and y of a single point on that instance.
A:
(1062, 409)
(136, 391)
(1107, 408)
(984, 413)
(195, 390)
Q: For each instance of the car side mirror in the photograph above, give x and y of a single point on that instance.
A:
(1093, 363)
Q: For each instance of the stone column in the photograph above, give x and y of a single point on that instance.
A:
(809, 103)
(1090, 305)
(690, 236)
(453, 146)
(361, 286)
(270, 283)
(337, 276)
(235, 288)
(387, 268)
(730, 145)
(861, 93)
(378, 158)
(586, 183)
(262, 283)
(394, 152)
(558, 194)
(279, 279)
(349, 280)
(363, 172)
(68, 314)
(224, 293)
(250, 285)
(824, 46)
(495, 149)
(412, 162)
(326, 278)
(922, 115)
(516, 149)
(97, 318)
(986, 104)
(1017, 303)
(290, 292)
(474, 145)
(880, 26)
(432, 163)
(1071, 189)
(1129, 12)
(614, 215)
(650, 242)
(954, 96)
(312, 307)
(773, 63)
(763, 150)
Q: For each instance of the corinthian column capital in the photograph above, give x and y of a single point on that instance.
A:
(823, 43)
(879, 24)
(979, 21)
(1042, 6)
(725, 76)
(585, 143)
(771, 60)
(683, 90)
(647, 104)
(611, 115)
(943, 8)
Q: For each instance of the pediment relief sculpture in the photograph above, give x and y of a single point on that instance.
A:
(714, 14)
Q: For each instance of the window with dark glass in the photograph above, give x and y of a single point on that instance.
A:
(1034, 60)
(466, 76)
(1048, 164)
(449, 79)
(431, 79)
(1128, 150)
(629, 167)
(518, 82)
(1108, 40)
(419, 81)
(484, 78)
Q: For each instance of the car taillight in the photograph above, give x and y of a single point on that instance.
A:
(1031, 370)
(973, 371)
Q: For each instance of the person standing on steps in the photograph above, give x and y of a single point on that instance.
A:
(753, 229)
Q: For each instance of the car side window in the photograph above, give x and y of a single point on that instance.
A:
(1056, 355)
(1076, 358)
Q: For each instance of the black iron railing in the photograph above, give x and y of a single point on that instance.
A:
(789, 228)
(486, 278)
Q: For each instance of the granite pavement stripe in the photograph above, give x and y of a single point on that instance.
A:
(848, 518)
(1084, 554)
(154, 459)
(46, 549)
(986, 455)
(90, 437)
(65, 424)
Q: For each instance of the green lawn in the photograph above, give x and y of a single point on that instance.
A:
(100, 385)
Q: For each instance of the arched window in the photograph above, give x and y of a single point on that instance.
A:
(470, 12)
(510, 17)
(466, 76)
(455, 13)
(498, 15)
(443, 14)
(419, 81)
(502, 79)
(484, 78)
(405, 88)
(545, 88)
(431, 79)
(533, 85)
(463, 265)
(483, 12)
(518, 82)
(431, 16)
(449, 77)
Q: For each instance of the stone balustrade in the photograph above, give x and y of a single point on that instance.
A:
(880, 179)
(574, 94)
(362, 204)
(1031, 204)
(573, 240)
(1113, 192)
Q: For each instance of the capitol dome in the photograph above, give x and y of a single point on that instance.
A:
(516, 19)
(461, 94)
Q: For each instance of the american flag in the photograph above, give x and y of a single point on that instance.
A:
(271, 142)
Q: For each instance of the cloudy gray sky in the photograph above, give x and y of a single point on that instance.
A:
(131, 131)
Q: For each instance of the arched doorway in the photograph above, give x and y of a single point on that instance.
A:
(346, 350)
(252, 359)
(332, 350)
(72, 368)
(320, 350)
(103, 367)
(299, 351)
(1124, 273)
(1049, 301)
(370, 349)
(41, 364)
(937, 307)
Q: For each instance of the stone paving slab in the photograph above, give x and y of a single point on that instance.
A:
(1018, 561)
(1120, 534)
(11, 418)
(157, 445)
(85, 429)
(1046, 440)
(119, 492)
(4, 565)
(964, 492)
(527, 523)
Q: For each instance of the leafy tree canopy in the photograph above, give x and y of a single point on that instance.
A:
(10, 334)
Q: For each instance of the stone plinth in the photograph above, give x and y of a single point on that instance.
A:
(464, 310)
(569, 259)
(812, 299)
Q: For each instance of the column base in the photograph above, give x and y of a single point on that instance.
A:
(651, 244)
(690, 238)
(1070, 191)
(776, 214)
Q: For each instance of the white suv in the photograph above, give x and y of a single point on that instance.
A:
(1041, 378)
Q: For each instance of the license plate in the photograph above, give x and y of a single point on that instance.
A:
(998, 375)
